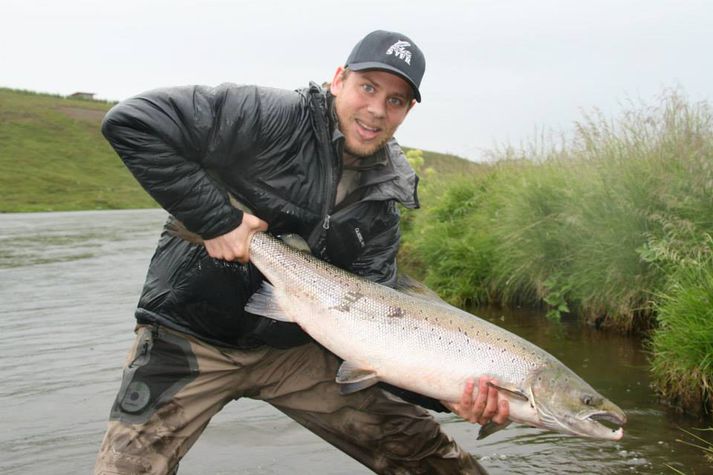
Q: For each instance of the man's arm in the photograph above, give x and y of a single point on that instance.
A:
(167, 138)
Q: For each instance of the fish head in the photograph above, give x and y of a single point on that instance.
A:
(566, 403)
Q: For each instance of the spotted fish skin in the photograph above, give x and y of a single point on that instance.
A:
(421, 343)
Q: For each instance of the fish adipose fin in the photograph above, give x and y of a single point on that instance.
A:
(512, 391)
(353, 379)
(491, 428)
(264, 303)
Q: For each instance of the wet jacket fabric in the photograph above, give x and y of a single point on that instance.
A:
(279, 153)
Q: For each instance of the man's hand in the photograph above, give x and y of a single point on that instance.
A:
(235, 245)
(484, 408)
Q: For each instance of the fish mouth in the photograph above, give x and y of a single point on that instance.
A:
(608, 424)
(597, 424)
(617, 419)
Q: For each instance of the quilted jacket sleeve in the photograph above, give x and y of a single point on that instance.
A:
(168, 137)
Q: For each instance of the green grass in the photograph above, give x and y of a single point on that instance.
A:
(600, 222)
(682, 349)
(54, 158)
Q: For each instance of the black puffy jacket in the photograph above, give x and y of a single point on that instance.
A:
(279, 153)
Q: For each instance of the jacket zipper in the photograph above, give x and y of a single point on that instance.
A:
(331, 176)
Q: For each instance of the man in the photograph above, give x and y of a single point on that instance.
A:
(322, 164)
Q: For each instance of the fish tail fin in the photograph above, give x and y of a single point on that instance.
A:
(176, 228)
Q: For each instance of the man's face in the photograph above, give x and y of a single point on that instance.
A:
(370, 106)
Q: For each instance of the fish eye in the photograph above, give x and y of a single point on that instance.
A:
(587, 400)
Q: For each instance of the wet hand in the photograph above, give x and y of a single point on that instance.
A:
(235, 245)
(485, 407)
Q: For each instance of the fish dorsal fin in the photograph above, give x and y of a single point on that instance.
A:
(511, 390)
(264, 303)
(353, 379)
(410, 286)
(491, 428)
(296, 242)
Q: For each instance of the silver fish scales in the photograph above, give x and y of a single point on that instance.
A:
(420, 343)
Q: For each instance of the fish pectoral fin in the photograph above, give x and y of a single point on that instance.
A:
(353, 379)
(491, 428)
(511, 390)
(264, 303)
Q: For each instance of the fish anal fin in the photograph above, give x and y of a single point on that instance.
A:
(353, 378)
(511, 390)
(491, 428)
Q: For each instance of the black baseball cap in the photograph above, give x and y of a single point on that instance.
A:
(392, 52)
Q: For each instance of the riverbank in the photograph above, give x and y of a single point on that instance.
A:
(613, 225)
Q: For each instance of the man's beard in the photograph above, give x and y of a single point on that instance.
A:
(363, 151)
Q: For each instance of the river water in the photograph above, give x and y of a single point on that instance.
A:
(68, 286)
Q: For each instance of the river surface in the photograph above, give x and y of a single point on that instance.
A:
(68, 286)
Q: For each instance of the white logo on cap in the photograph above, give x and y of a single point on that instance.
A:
(399, 49)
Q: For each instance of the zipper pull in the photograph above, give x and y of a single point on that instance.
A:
(325, 224)
(141, 354)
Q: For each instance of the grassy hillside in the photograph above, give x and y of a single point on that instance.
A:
(54, 158)
(444, 165)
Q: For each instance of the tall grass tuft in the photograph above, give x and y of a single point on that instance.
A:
(593, 225)
(456, 245)
(682, 348)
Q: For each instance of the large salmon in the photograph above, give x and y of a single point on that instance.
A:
(421, 343)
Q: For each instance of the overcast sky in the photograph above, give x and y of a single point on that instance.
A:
(497, 71)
